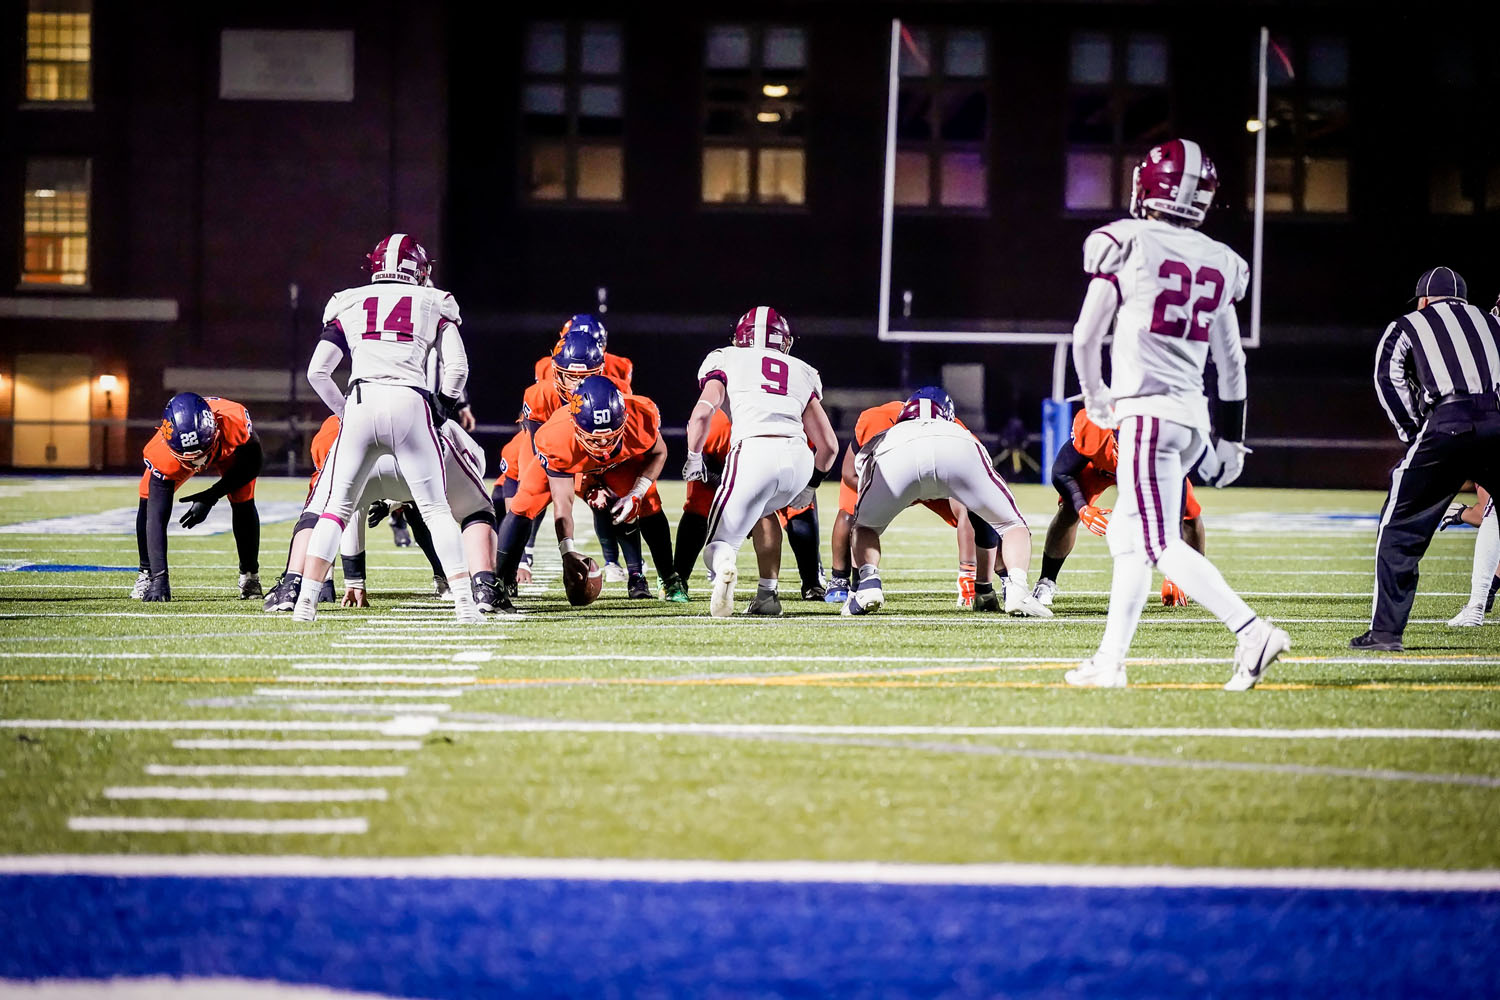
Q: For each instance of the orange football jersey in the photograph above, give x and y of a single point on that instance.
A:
(558, 447)
(1095, 443)
(542, 400)
(878, 420)
(234, 429)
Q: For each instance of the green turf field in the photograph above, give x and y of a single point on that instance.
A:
(648, 730)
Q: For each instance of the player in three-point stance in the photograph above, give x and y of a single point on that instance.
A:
(1170, 292)
(926, 455)
(773, 401)
(388, 328)
(198, 434)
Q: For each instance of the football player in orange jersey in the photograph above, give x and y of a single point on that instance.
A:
(801, 524)
(976, 539)
(198, 434)
(620, 370)
(1084, 469)
(607, 447)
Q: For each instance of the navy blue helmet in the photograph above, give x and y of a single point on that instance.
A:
(587, 323)
(189, 428)
(598, 408)
(577, 356)
(928, 403)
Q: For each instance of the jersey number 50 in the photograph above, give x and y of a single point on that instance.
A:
(1203, 309)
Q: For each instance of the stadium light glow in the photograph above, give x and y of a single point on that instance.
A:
(775, 90)
(1254, 125)
(108, 383)
(768, 116)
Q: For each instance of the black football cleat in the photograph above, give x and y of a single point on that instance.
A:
(1380, 642)
(766, 604)
(814, 592)
(987, 602)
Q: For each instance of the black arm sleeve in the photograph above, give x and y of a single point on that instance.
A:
(1231, 419)
(158, 513)
(248, 459)
(1066, 469)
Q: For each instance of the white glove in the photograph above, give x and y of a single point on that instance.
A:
(803, 499)
(628, 507)
(1100, 407)
(694, 470)
(1231, 456)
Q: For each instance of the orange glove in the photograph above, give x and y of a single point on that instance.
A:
(1095, 519)
(966, 589)
(1173, 596)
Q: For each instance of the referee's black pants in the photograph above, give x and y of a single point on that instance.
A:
(1460, 441)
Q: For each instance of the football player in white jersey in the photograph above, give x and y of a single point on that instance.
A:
(773, 400)
(1169, 292)
(388, 328)
(927, 455)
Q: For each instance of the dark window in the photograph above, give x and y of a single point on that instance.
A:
(1465, 174)
(942, 119)
(55, 227)
(1307, 125)
(59, 51)
(754, 81)
(572, 112)
(1119, 106)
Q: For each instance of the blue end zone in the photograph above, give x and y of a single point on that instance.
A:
(458, 938)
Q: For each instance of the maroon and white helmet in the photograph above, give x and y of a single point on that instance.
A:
(399, 257)
(1175, 179)
(763, 327)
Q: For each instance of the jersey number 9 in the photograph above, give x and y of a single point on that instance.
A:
(775, 371)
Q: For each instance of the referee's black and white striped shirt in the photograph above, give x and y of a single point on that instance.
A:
(1449, 348)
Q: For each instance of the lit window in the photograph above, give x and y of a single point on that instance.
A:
(754, 79)
(942, 119)
(1119, 106)
(59, 51)
(56, 222)
(573, 112)
(1307, 126)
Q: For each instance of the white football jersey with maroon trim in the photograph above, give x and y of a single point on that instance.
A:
(766, 390)
(1176, 291)
(389, 328)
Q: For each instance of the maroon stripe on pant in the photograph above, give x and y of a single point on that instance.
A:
(726, 487)
(328, 465)
(984, 459)
(335, 519)
(1161, 521)
(1140, 494)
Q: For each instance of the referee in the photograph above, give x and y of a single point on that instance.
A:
(1436, 374)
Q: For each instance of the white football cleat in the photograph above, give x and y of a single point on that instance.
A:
(721, 601)
(864, 601)
(1096, 672)
(615, 573)
(1470, 616)
(441, 590)
(142, 584)
(1023, 605)
(305, 611)
(1044, 591)
(1259, 646)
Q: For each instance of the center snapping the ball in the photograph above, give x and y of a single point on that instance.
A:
(583, 580)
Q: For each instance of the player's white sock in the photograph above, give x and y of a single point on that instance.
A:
(869, 571)
(1191, 570)
(1127, 598)
(765, 584)
(1017, 578)
(713, 551)
(1486, 555)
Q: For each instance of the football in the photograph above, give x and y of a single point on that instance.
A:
(582, 579)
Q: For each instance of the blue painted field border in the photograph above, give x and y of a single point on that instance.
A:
(424, 937)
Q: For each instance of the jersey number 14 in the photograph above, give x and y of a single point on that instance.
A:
(397, 325)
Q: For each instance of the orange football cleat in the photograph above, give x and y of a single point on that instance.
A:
(1095, 519)
(1173, 596)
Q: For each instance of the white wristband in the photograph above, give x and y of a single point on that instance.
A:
(695, 456)
(642, 484)
(566, 546)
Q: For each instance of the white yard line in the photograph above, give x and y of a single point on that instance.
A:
(272, 771)
(319, 745)
(789, 871)
(355, 693)
(370, 709)
(226, 725)
(190, 794)
(168, 824)
(374, 679)
(449, 666)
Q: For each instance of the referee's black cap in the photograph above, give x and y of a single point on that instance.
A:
(1440, 282)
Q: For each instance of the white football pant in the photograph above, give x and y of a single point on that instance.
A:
(1145, 530)
(761, 476)
(387, 421)
(941, 468)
